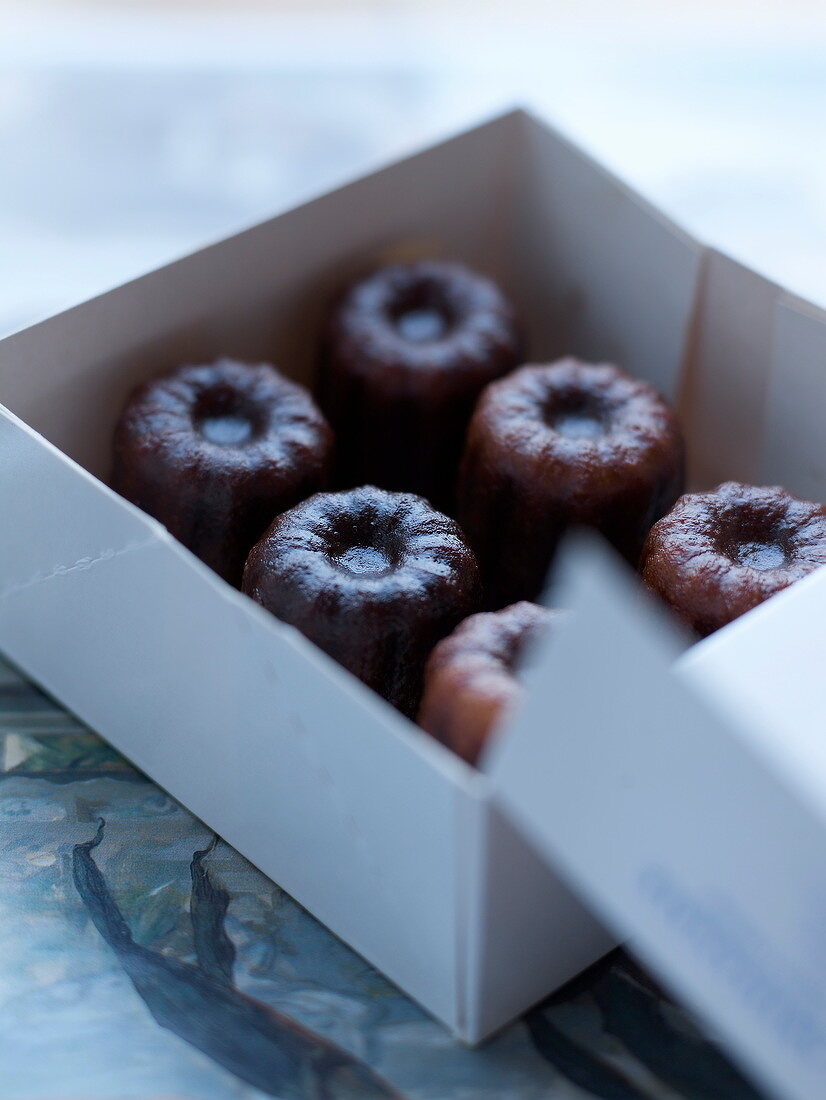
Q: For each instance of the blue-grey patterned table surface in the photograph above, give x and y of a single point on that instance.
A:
(142, 957)
(136, 959)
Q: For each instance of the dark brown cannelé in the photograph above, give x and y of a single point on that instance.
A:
(471, 677)
(407, 352)
(556, 445)
(215, 451)
(717, 555)
(373, 578)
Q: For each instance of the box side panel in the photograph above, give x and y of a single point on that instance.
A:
(527, 934)
(723, 406)
(605, 277)
(316, 781)
(662, 810)
(260, 294)
(755, 384)
(793, 451)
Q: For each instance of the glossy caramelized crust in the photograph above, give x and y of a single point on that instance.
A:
(561, 444)
(471, 677)
(717, 555)
(215, 451)
(408, 351)
(373, 578)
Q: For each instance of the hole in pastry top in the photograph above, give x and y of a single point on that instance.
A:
(577, 414)
(422, 314)
(226, 431)
(364, 561)
(762, 556)
(224, 417)
(364, 544)
(749, 537)
(421, 326)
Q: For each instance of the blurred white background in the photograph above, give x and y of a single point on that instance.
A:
(130, 132)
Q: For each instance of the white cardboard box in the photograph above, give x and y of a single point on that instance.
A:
(397, 846)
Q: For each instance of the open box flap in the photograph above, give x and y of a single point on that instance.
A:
(641, 787)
